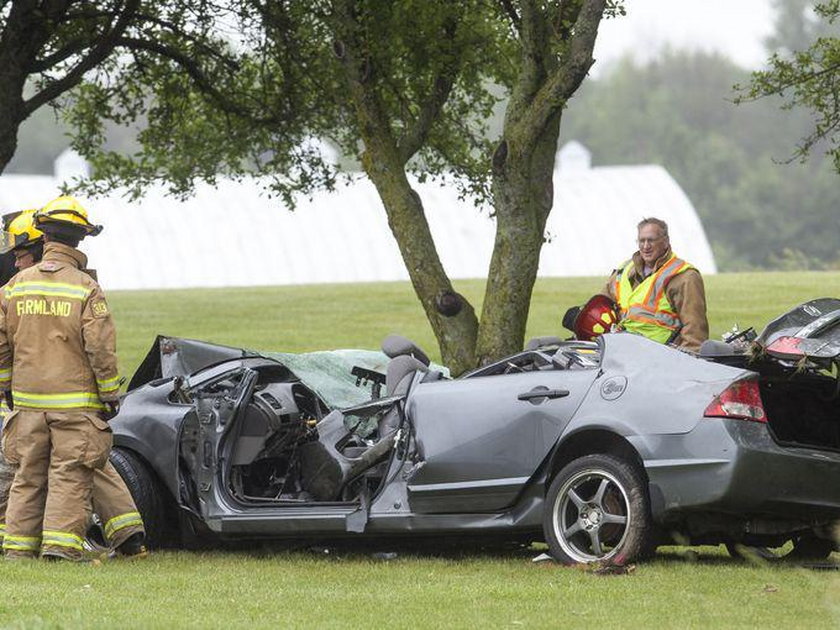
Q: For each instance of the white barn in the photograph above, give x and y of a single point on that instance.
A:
(234, 235)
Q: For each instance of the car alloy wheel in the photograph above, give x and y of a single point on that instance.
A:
(597, 511)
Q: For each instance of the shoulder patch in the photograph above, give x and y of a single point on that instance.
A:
(99, 308)
(49, 265)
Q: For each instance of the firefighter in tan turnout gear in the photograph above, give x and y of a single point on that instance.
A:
(58, 367)
(112, 502)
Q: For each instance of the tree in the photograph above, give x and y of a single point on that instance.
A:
(677, 111)
(48, 48)
(404, 86)
(808, 78)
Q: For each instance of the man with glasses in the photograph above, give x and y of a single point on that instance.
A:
(659, 295)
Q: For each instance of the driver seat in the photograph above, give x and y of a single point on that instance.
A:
(326, 470)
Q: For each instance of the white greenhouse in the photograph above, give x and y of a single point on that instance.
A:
(234, 235)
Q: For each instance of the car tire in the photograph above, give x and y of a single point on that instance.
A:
(806, 547)
(148, 494)
(597, 510)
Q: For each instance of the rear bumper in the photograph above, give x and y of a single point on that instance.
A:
(734, 468)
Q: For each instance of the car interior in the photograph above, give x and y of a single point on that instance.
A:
(285, 446)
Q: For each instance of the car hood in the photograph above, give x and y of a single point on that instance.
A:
(327, 373)
(174, 356)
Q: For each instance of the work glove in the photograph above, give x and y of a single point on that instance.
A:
(7, 396)
(112, 408)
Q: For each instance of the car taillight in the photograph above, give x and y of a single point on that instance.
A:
(787, 347)
(741, 400)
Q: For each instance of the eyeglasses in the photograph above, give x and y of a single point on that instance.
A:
(649, 241)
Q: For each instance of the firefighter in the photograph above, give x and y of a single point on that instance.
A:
(58, 367)
(659, 295)
(8, 268)
(112, 502)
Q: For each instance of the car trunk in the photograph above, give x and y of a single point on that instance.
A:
(803, 410)
(798, 359)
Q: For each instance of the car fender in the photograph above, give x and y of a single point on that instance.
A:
(587, 436)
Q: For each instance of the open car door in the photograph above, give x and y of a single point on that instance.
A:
(213, 415)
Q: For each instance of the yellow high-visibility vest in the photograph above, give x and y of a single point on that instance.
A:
(645, 309)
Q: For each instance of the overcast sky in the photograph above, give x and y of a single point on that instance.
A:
(734, 27)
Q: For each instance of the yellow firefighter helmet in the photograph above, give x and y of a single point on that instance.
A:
(19, 230)
(65, 211)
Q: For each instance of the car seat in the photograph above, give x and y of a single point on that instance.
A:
(326, 465)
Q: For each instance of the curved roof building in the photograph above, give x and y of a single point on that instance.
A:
(234, 235)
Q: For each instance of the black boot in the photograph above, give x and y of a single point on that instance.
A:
(133, 546)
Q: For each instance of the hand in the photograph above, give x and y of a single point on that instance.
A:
(7, 396)
(112, 408)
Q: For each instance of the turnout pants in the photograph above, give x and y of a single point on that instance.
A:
(56, 453)
(113, 503)
(7, 473)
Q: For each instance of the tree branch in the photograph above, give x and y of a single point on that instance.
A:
(74, 47)
(205, 84)
(415, 136)
(97, 54)
(567, 76)
(567, 15)
(508, 8)
(767, 87)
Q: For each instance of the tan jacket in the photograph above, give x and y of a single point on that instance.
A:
(57, 338)
(686, 294)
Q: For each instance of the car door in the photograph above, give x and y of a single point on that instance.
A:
(207, 451)
(480, 439)
(205, 425)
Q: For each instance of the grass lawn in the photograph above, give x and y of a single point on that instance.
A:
(345, 589)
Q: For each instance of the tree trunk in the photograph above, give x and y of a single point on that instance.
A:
(384, 159)
(8, 137)
(456, 334)
(523, 194)
(523, 165)
(15, 56)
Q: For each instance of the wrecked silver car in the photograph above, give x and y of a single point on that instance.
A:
(602, 449)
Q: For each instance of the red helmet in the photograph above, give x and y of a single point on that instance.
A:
(596, 317)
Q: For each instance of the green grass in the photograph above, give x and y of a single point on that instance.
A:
(303, 318)
(239, 590)
(354, 590)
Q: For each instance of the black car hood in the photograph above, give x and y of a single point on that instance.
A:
(174, 356)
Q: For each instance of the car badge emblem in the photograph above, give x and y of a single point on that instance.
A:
(811, 310)
(613, 387)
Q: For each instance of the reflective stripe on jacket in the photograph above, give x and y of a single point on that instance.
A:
(57, 337)
(646, 309)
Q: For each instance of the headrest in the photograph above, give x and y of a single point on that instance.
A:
(397, 346)
(396, 383)
(713, 348)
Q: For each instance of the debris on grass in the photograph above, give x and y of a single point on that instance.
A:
(384, 555)
(614, 569)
